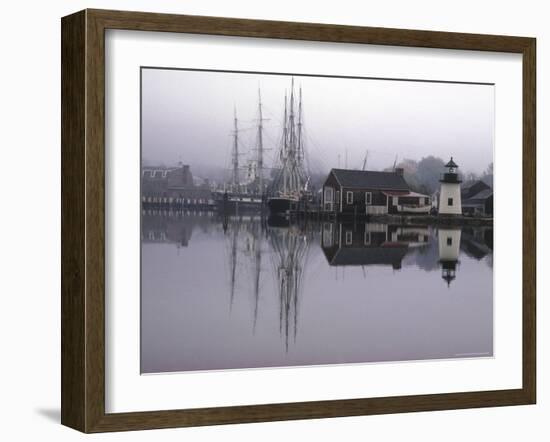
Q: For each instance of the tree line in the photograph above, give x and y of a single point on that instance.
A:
(423, 176)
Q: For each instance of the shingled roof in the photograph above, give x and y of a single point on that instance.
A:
(483, 195)
(369, 179)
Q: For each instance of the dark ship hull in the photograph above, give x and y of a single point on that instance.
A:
(233, 202)
(281, 206)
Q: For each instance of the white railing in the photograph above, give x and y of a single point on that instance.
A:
(414, 209)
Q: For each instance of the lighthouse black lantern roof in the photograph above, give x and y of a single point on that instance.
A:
(451, 165)
(451, 176)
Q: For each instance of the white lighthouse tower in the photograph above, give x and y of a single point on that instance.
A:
(450, 202)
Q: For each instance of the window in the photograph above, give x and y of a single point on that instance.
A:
(449, 241)
(427, 201)
(367, 238)
(368, 198)
(329, 193)
(349, 197)
(327, 235)
(349, 237)
(450, 202)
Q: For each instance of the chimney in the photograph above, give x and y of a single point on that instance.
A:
(399, 171)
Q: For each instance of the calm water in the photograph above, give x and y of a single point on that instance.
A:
(242, 293)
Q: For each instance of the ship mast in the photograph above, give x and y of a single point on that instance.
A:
(260, 160)
(284, 150)
(292, 142)
(292, 179)
(304, 180)
(299, 137)
(235, 153)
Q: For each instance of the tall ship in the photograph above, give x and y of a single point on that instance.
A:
(290, 187)
(246, 187)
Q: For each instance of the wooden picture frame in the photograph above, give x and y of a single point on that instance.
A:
(83, 220)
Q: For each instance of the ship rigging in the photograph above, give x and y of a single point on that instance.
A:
(291, 183)
(290, 187)
(247, 193)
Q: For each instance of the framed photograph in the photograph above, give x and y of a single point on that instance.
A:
(270, 220)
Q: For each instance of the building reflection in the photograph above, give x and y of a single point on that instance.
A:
(173, 227)
(364, 244)
(260, 253)
(477, 242)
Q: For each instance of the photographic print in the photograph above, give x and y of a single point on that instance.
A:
(304, 220)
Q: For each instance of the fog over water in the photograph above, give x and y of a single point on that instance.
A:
(188, 116)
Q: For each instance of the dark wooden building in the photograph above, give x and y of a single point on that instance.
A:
(173, 183)
(359, 192)
(477, 199)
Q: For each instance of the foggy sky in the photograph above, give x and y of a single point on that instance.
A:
(188, 116)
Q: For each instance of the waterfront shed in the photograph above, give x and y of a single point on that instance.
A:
(367, 192)
(477, 198)
(479, 204)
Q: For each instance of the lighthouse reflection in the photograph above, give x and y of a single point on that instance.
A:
(281, 285)
(449, 246)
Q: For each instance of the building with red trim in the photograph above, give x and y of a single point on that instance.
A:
(367, 192)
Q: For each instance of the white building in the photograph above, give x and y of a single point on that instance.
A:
(450, 202)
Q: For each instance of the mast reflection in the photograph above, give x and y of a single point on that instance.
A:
(266, 257)
(291, 245)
